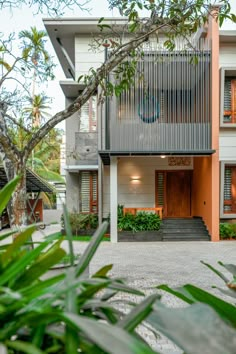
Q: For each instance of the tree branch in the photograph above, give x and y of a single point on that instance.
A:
(4, 77)
(101, 72)
(15, 121)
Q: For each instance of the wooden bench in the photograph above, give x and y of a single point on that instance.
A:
(134, 210)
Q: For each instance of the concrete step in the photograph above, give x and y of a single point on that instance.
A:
(184, 231)
(186, 235)
(185, 239)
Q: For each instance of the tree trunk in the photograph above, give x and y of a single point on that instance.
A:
(17, 207)
(19, 199)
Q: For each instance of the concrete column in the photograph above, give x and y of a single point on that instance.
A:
(113, 199)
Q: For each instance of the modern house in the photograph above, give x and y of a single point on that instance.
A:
(169, 141)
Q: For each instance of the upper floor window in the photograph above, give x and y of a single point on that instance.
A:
(228, 97)
(230, 100)
(88, 116)
(228, 189)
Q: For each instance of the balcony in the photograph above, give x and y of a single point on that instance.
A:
(168, 107)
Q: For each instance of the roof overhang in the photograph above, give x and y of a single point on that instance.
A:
(62, 34)
(34, 183)
(105, 155)
(71, 89)
(78, 168)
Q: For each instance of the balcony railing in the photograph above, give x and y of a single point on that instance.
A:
(167, 108)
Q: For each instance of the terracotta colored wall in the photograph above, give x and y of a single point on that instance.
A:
(206, 180)
(201, 190)
(205, 193)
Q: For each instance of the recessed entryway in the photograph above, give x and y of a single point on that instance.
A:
(173, 192)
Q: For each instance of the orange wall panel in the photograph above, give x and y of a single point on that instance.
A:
(205, 190)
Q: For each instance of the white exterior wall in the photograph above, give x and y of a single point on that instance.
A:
(85, 58)
(227, 146)
(136, 193)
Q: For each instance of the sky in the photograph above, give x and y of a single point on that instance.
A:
(22, 19)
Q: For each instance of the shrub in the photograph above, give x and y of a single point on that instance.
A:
(81, 221)
(68, 312)
(142, 221)
(227, 230)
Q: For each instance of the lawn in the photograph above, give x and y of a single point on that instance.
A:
(82, 238)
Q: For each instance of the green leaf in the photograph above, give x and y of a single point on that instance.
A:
(6, 193)
(230, 267)
(71, 336)
(233, 18)
(40, 267)
(216, 271)
(140, 5)
(68, 234)
(196, 329)
(24, 347)
(103, 271)
(101, 19)
(18, 242)
(132, 27)
(80, 78)
(223, 308)
(138, 314)
(18, 266)
(107, 337)
(180, 294)
(91, 249)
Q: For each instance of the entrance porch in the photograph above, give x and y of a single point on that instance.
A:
(182, 185)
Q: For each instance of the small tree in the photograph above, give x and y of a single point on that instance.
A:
(177, 18)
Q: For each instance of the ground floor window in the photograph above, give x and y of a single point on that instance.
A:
(229, 189)
(89, 192)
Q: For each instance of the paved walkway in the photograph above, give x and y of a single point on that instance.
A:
(146, 265)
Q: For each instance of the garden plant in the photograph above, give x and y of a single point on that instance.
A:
(73, 312)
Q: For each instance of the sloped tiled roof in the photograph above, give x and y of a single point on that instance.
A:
(34, 183)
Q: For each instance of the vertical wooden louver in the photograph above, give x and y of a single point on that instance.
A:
(230, 190)
(230, 100)
(89, 195)
(160, 181)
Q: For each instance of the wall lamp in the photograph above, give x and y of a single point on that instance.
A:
(163, 156)
(135, 179)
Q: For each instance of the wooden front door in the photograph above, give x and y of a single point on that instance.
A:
(178, 194)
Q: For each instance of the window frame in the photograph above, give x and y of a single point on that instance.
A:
(223, 164)
(223, 72)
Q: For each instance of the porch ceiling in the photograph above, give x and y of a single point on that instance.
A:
(105, 155)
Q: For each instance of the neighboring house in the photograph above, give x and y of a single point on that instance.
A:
(169, 141)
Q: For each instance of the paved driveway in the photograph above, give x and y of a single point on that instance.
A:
(148, 264)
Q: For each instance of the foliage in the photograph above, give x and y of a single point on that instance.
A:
(65, 313)
(208, 321)
(174, 18)
(142, 221)
(227, 230)
(81, 221)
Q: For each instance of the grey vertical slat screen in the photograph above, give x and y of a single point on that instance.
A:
(174, 99)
